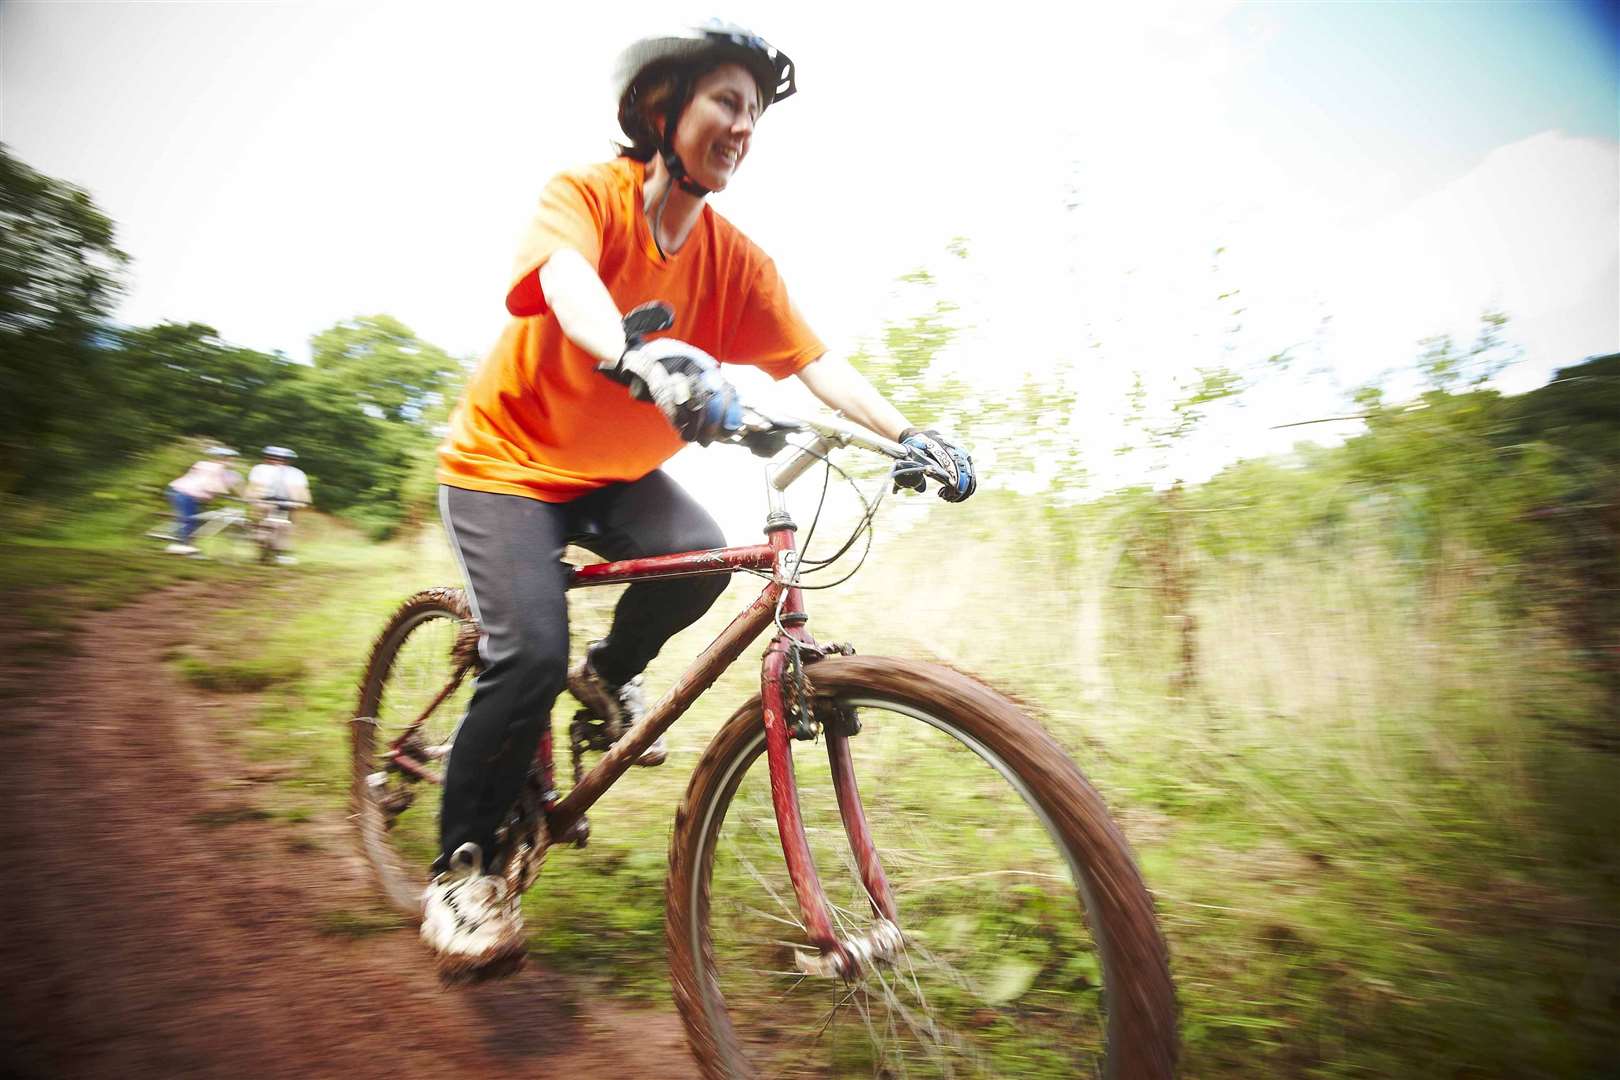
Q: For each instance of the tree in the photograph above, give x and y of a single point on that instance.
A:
(384, 369)
(78, 393)
(375, 398)
(182, 379)
(59, 277)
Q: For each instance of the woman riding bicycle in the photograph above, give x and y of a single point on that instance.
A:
(562, 431)
(206, 480)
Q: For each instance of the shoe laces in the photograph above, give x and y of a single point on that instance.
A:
(466, 878)
(478, 897)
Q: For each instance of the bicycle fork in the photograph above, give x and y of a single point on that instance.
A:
(787, 715)
(842, 957)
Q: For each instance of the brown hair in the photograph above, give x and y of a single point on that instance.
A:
(646, 105)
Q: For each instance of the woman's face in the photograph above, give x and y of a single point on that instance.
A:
(714, 131)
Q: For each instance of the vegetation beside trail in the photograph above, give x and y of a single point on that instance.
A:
(1373, 799)
(1354, 706)
(81, 394)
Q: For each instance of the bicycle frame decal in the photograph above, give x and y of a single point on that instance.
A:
(684, 564)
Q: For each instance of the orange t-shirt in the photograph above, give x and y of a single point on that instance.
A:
(537, 419)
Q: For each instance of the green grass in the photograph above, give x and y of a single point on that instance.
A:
(238, 676)
(90, 551)
(1380, 835)
(1357, 864)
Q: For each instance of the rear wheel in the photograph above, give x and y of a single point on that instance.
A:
(1031, 947)
(413, 695)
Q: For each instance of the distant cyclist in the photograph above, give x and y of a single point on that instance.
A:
(562, 430)
(204, 482)
(279, 487)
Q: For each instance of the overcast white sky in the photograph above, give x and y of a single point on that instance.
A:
(276, 167)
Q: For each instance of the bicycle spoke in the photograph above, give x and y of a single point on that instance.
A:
(991, 976)
(413, 696)
(760, 880)
(438, 699)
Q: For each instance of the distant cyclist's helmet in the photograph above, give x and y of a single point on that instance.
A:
(279, 453)
(682, 55)
(221, 452)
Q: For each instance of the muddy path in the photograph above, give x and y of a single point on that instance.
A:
(156, 923)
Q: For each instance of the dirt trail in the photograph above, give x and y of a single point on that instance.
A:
(152, 925)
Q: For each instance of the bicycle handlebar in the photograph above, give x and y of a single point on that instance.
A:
(767, 436)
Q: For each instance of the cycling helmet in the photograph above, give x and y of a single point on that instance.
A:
(280, 453)
(681, 56)
(221, 452)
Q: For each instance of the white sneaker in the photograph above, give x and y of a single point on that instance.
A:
(471, 921)
(287, 560)
(180, 549)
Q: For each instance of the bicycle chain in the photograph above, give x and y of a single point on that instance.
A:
(582, 736)
(525, 838)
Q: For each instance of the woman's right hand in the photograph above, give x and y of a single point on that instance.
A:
(684, 382)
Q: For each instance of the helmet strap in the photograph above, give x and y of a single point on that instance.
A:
(666, 144)
(679, 176)
(658, 217)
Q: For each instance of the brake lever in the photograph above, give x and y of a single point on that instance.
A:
(764, 435)
(765, 444)
(910, 466)
(649, 318)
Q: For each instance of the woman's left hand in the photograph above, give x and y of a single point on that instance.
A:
(931, 448)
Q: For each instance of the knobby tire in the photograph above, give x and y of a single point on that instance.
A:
(1135, 1011)
(383, 707)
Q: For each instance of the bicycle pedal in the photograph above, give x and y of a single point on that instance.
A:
(591, 732)
(396, 803)
(578, 834)
(391, 801)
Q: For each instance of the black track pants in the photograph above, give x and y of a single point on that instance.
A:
(510, 549)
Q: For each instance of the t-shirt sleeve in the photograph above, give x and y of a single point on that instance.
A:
(571, 214)
(770, 333)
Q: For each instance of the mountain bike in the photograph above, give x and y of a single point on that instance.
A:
(942, 894)
(235, 531)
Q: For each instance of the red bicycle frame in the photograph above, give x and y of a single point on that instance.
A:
(779, 559)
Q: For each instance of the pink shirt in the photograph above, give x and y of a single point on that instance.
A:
(205, 480)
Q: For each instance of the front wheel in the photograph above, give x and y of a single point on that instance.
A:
(222, 535)
(1031, 947)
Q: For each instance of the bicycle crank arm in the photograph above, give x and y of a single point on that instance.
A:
(881, 944)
